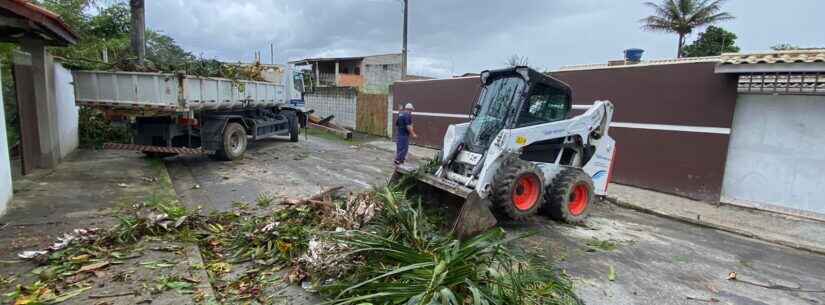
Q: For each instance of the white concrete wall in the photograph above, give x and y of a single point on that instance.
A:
(340, 102)
(67, 110)
(776, 154)
(5, 165)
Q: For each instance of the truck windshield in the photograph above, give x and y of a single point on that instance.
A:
(495, 105)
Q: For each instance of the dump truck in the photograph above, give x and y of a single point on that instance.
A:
(175, 113)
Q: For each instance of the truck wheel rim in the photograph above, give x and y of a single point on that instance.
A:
(526, 192)
(578, 200)
(235, 142)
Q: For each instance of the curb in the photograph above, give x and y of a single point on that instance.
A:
(192, 250)
(690, 220)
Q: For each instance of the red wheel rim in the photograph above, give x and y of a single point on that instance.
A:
(526, 192)
(578, 200)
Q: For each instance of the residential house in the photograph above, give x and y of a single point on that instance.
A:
(338, 83)
(776, 154)
(372, 74)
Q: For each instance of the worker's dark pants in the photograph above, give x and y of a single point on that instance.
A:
(402, 145)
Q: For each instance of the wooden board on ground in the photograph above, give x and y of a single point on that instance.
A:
(343, 133)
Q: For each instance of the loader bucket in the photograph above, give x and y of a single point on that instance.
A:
(474, 215)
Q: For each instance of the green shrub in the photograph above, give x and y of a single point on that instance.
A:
(94, 129)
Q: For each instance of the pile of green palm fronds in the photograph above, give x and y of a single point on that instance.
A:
(275, 238)
(412, 262)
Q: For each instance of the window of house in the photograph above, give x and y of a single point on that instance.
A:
(386, 67)
(357, 71)
(545, 104)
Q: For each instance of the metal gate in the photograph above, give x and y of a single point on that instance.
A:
(371, 116)
(777, 152)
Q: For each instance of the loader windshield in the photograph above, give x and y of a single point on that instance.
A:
(493, 109)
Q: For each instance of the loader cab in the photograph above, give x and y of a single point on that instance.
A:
(514, 98)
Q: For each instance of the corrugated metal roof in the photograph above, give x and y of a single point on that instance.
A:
(794, 56)
(655, 62)
(319, 59)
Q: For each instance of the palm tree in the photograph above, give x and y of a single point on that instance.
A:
(682, 16)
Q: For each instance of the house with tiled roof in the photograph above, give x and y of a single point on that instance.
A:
(776, 154)
(39, 84)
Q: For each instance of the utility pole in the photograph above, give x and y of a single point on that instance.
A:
(404, 47)
(138, 29)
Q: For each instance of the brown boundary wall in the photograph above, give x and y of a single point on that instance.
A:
(448, 101)
(681, 96)
(686, 163)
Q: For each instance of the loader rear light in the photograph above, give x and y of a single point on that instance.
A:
(610, 170)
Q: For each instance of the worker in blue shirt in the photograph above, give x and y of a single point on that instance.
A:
(404, 127)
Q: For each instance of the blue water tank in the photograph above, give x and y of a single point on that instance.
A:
(634, 55)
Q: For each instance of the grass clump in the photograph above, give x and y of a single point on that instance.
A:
(595, 244)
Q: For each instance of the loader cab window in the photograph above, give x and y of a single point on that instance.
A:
(545, 104)
(492, 111)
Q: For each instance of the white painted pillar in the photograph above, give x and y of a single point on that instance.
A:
(390, 121)
(46, 115)
(5, 163)
(336, 73)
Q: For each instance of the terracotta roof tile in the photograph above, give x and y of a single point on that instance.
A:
(644, 63)
(795, 56)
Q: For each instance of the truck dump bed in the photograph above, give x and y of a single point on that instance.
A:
(173, 93)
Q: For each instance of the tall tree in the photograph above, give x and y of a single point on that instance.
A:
(714, 41)
(138, 9)
(682, 16)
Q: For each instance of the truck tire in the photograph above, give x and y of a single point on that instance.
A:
(569, 197)
(233, 143)
(294, 127)
(518, 188)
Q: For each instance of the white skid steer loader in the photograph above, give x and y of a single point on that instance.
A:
(522, 153)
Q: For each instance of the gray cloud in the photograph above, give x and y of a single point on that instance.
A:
(456, 36)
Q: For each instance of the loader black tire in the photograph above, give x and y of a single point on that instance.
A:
(294, 126)
(569, 197)
(518, 188)
(233, 143)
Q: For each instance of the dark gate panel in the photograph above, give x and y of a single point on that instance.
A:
(27, 116)
(687, 161)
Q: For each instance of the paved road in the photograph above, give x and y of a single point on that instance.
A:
(657, 260)
(661, 261)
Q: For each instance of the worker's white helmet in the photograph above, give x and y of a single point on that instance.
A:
(409, 106)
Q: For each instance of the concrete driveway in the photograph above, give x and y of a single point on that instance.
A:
(655, 260)
(279, 168)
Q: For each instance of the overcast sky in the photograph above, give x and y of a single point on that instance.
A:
(449, 37)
